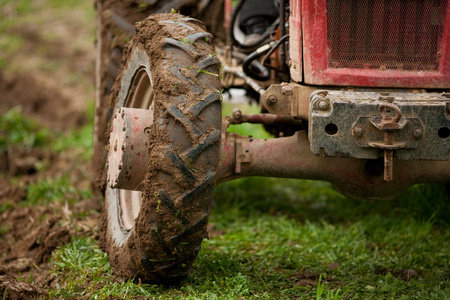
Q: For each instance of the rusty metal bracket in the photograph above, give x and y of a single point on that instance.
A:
(361, 124)
(365, 133)
(389, 124)
(289, 99)
(267, 119)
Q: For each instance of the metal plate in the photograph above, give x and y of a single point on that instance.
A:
(341, 124)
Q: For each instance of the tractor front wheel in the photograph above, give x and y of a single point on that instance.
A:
(154, 224)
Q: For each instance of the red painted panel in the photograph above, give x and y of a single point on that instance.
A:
(317, 54)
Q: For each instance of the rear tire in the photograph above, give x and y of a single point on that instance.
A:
(161, 239)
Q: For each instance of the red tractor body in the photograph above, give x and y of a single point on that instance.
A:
(394, 43)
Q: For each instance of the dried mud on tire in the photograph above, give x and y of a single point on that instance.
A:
(183, 150)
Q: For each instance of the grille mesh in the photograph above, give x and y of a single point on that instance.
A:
(385, 34)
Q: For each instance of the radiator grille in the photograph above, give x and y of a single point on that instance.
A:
(385, 34)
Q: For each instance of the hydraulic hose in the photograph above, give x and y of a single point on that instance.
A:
(253, 84)
(262, 73)
(255, 65)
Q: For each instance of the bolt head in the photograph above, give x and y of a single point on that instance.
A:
(237, 115)
(323, 105)
(287, 90)
(418, 133)
(357, 131)
(272, 100)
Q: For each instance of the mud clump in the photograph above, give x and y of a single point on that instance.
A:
(11, 289)
(27, 241)
(26, 246)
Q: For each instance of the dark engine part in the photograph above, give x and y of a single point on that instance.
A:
(257, 16)
(251, 22)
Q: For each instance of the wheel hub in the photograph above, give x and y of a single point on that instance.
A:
(128, 150)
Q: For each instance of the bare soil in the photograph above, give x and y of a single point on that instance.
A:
(32, 233)
(53, 87)
(47, 104)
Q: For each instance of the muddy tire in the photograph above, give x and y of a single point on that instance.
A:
(156, 234)
(114, 29)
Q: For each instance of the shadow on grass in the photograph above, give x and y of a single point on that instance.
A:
(315, 200)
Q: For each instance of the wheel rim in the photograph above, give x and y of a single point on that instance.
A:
(140, 95)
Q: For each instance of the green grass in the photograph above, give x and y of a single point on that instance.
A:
(265, 254)
(17, 130)
(46, 191)
(20, 131)
(361, 243)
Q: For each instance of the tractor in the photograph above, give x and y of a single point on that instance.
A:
(355, 92)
